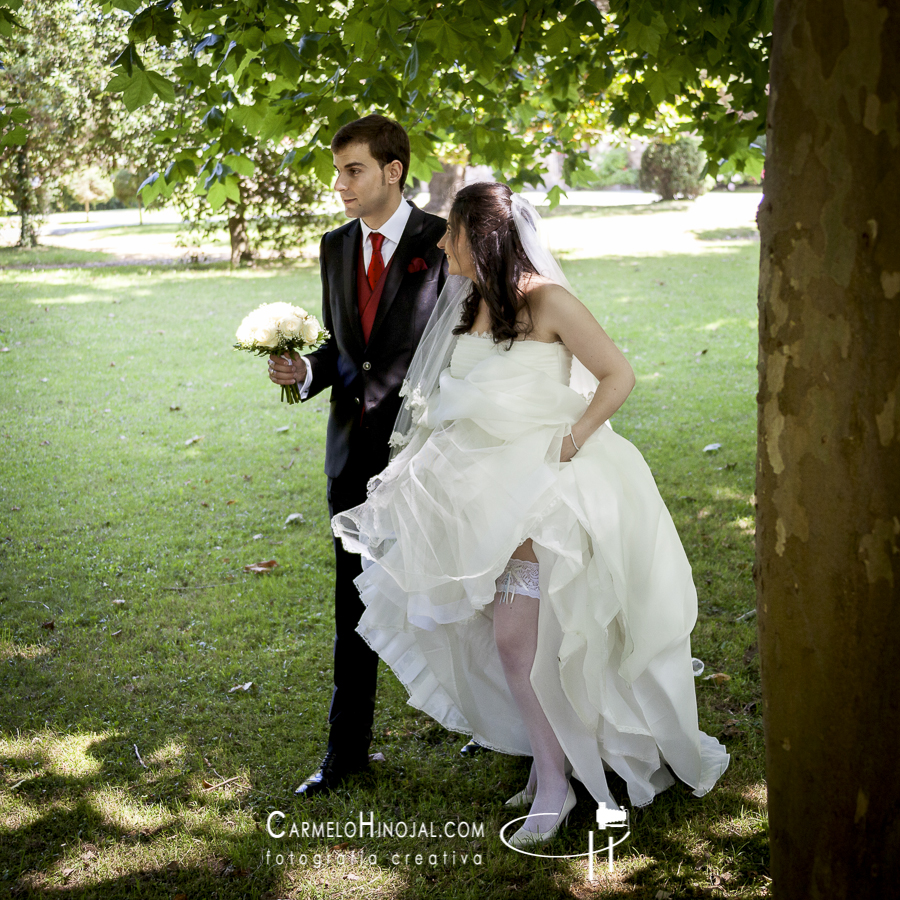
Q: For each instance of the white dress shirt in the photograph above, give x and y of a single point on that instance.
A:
(392, 231)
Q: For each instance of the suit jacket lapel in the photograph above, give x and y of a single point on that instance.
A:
(403, 256)
(349, 265)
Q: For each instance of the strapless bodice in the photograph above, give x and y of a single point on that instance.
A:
(555, 359)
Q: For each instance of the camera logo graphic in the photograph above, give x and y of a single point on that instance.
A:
(616, 821)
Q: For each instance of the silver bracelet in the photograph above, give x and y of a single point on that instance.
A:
(572, 435)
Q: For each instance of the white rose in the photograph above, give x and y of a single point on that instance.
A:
(245, 332)
(290, 325)
(310, 330)
(266, 334)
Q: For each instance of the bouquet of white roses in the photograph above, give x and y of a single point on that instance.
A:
(280, 328)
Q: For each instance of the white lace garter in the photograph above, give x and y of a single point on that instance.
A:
(519, 577)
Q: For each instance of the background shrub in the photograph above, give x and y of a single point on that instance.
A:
(673, 169)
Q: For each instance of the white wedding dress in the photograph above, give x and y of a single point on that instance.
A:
(480, 476)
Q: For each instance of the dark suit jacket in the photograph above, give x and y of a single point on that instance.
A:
(369, 375)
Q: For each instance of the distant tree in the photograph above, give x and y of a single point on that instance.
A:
(89, 186)
(673, 169)
(276, 208)
(125, 187)
(69, 121)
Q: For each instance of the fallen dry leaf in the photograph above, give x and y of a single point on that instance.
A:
(294, 519)
(193, 440)
(241, 687)
(231, 502)
(174, 408)
(261, 568)
(45, 443)
(50, 626)
(283, 428)
(718, 677)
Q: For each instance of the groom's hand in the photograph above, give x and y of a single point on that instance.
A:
(287, 371)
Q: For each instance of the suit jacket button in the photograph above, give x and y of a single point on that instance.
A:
(366, 366)
(357, 401)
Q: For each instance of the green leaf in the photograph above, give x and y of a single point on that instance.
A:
(16, 137)
(411, 69)
(139, 92)
(232, 188)
(162, 86)
(180, 170)
(216, 195)
(554, 195)
(211, 40)
(240, 164)
(128, 59)
(284, 58)
(151, 188)
(309, 46)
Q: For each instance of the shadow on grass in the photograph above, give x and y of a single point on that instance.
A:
(745, 233)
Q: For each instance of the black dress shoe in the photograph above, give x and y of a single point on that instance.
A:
(473, 748)
(330, 774)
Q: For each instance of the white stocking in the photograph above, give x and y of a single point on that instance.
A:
(515, 631)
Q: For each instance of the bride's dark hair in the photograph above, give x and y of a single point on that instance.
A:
(484, 211)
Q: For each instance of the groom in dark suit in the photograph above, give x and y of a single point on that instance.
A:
(381, 276)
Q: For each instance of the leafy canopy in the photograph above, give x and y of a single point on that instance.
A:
(507, 80)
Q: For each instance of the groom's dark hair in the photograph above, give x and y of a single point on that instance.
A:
(385, 139)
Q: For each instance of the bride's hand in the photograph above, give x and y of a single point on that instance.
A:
(569, 448)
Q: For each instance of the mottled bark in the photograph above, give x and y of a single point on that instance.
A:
(443, 187)
(828, 477)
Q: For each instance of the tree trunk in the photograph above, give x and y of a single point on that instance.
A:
(87, 210)
(25, 199)
(240, 239)
(443, 187)
(828, 471)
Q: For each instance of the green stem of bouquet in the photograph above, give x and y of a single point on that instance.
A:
(291, 393)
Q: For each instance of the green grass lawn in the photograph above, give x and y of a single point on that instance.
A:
(145, 463)
(48, 255)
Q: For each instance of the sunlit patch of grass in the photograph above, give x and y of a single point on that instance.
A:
(51, 754)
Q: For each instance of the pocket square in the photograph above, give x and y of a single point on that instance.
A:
(417, 265)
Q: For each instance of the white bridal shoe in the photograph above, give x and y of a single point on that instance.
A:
(523, 798)
(523, 838)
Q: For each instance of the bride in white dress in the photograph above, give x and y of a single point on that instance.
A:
(523, 578)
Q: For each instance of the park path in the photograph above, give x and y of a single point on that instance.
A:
(590, 225)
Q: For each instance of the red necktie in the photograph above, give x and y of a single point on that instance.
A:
(376, 263)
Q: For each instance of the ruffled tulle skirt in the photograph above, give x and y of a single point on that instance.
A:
(481, 475)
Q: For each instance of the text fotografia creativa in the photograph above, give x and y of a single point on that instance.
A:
(367, 826)
(364, 858)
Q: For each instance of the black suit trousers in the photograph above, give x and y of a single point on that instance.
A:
(355, 663)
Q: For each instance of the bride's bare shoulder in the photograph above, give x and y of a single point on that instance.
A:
(541, 292)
